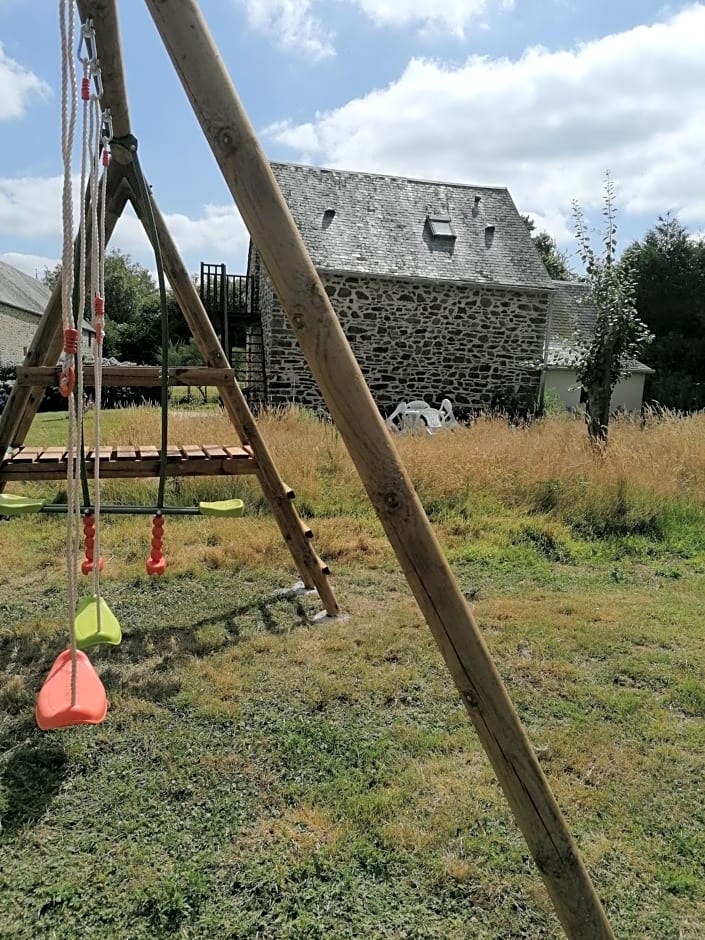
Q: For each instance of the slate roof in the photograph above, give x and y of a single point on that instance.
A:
(25, 293)
(379, 227)
(571, 311)
(21, 291)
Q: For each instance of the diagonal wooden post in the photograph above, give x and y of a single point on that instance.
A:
(313, 572)
(23, 401)
(252, 184)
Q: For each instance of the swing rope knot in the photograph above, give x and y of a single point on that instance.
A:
(71, 341)
(67, 381)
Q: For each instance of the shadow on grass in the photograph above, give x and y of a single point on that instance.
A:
(160, 632)
(31, 779)
(175, 637)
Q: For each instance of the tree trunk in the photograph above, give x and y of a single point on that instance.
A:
(597, 412)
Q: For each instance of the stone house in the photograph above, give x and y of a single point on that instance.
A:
(22, 303)
(438, 286)
(572, 312)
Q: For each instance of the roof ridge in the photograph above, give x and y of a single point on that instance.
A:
(389, 176)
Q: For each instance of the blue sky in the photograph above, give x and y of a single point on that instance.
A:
(541, 96)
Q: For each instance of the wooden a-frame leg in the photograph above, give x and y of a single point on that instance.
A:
(313, 321)
(23, 402)
(313, 572)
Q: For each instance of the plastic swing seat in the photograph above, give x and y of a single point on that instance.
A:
(224, 508)
(11, 505)
(86, 624)
(54, 709)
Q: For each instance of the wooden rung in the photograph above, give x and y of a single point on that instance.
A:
(126, 453)
(147, 451)
(126, 376)
(192, 451)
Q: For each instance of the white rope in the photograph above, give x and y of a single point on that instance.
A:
(69, 108)
(97, 278)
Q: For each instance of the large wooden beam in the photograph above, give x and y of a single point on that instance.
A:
(130, 376)
(46, 346)
(328, 353)
(313, 572)
(109, 51)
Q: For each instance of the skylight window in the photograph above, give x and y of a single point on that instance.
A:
(440, 226)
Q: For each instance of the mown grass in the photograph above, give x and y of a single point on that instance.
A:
(261, 774)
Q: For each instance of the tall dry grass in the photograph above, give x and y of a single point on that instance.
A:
(545, 465)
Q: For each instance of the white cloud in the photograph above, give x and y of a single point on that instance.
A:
(218, 235)
(30, 212)
(34, 265)
(293, 24)
(18, 86)
(301, 25)
(547, 125)
(30, 207)
(449, 16)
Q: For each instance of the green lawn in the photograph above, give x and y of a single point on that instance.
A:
(263, 775)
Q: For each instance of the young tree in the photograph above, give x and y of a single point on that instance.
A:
(619, 333)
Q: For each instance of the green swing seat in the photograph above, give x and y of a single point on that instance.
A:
(11, 505)
(86, 624)
(226, 508)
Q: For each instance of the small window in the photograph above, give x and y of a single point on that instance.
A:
(440, 227)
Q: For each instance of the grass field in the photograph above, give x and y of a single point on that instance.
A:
(261, 775)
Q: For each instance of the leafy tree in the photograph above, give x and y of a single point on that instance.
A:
(133, 331)
(668, 267)
(619, 333)
(555, 260)
(51, 276)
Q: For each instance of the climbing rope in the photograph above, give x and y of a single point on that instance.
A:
(69, 108)
(103, 133)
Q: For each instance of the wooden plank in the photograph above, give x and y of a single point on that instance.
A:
(191, 451)
(173, 453)
(52, 454)
(237, 453)
(147, 451)
(126, 453)
(129, 376)
(327, 351)
(214, 450)
(27, 455)
(106, 453)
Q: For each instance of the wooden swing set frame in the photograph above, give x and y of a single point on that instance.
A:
(248, 175)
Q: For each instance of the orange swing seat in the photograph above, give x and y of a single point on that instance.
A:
(54, 709)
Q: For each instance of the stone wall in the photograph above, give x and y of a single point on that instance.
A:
(477, 346)
(17, 329)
